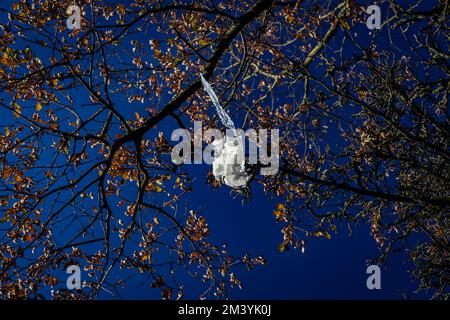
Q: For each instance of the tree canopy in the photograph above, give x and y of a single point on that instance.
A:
(87, 115)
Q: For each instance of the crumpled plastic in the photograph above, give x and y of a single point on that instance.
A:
(229, 161)
(229, 165)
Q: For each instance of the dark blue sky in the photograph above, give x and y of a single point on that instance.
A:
(328, 269)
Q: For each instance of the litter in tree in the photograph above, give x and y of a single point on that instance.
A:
(229, 162)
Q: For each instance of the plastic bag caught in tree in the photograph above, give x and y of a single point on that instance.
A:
(229, 162)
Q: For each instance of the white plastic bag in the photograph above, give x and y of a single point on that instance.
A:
(229, 165)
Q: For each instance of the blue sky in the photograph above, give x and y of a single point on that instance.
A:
(328, 269)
